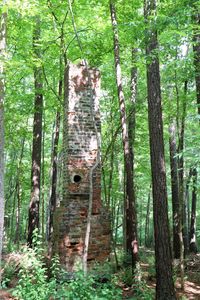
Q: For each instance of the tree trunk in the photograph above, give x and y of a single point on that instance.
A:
(196, 50)
(19, 194)
(33, 222)
(131, 120)
(181, 134)
(187, 204)
(2, 98)
(146, 240)
(130, 209)
(175, 190)
(193, 245)
(53, 197)
(110, 182)
(43, 178)
(131, 128)
(164, 281)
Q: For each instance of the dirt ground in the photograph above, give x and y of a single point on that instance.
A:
(5, 295)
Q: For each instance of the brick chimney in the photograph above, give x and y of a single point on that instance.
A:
(81, 172)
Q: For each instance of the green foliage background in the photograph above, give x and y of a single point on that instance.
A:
(92, 20)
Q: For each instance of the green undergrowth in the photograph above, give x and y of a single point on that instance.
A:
(37, 281)
(34, 284)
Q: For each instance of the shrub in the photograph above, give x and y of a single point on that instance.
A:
(8, 273)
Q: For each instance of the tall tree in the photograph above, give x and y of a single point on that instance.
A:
(163, 260)
(33, 222)
(181, 145)
(175, 190)
(193, 245)
(2, 97)
(196, 49)
(147, 225)
(177, 207)
(130, 207)
(53, 193)
(131, 119)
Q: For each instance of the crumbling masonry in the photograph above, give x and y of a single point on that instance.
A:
(81, 172)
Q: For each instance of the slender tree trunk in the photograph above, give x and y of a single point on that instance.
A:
(131, 128)
(55, 138)
(196, 50)
(18, 214)
(104, 186)
(132, 120)
(182, 212)
(193, 245)
(2, 98)
(43, 178)
(187, 203)
(33, 222)
(13, 216)
(115, 231)
(146, 240)
(164, 281)
(111, 164)
(53, 195)
(181, 134)
(19, 194)
(55, 160)
(175, 190)
(131, 222)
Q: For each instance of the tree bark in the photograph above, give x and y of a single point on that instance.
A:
(175, 190)
(187, 204)
(164, 281)
(19, 194)
(33, 222)
(196, 50)
(2, 98)
(181, 135)
(132, 120)
(146, 240)
(53, 195)
(130, 209)
(110, 182)
(193, 245)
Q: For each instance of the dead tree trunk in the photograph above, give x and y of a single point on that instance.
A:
(131, 222)
(33, 222)
(165, 286)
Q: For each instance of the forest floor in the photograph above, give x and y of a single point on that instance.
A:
(191, 292)
(192, 280)
(191, 284)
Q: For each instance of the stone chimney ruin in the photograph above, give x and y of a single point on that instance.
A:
(81, 172)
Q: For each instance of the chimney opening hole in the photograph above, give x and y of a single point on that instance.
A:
(77, 178)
